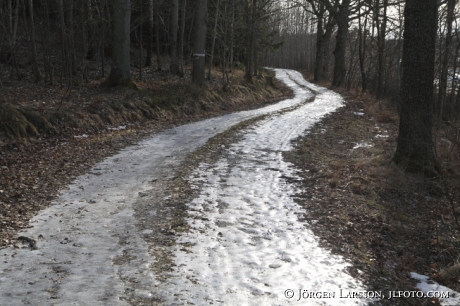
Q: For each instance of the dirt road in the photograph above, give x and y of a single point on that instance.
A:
(244, 244)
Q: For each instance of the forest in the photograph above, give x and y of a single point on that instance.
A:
(357, 45)
(354, 44)
(82, 79)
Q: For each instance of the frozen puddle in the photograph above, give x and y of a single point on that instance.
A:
(246, 246)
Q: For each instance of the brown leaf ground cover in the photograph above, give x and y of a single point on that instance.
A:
(386, 222)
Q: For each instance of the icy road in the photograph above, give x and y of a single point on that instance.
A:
(245, 247)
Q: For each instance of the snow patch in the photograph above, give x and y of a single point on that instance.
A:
(118, 128)
(433, 289)
(81, 136)
(362, 145)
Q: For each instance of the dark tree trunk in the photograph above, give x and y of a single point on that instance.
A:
(120, 70)
(199, 52)
(157, 35)
(250, 24)
(415, 148)
(148, 60)
(319, 62)
(33, 43)
(381, 28)
(339, 53)
(141, 23)
(322, 43)
(181, 38)
(174, 66)
(323, 35)
(362, 52)
(71, 38)
(64, 47)
(445, 61)
(47, 39)
(214, 34)
(232, 35)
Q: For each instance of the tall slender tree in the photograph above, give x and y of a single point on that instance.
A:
(445, 60)
(174, 66)
(214, 35)
(181, 35)
(33, 43)
(148, 60)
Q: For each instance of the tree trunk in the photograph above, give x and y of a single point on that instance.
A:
(47, 45)
(141, 23)
(174, 66)
(64, 46)
(33, 43)
(362, 52)
(182, 33)
(381, 28)
(454, 80)
(120, 70)
(199, 52)
(319, 62)
(339, 53)
(213, 44)
(415, 148)
(232, 35)
(250, 24)
(322, 42)
(445, 61)
(157, 35)
(71, 40)
(148, 60)
(13, 18)
(224, 44)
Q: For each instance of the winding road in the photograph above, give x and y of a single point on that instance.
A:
(246, 245)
